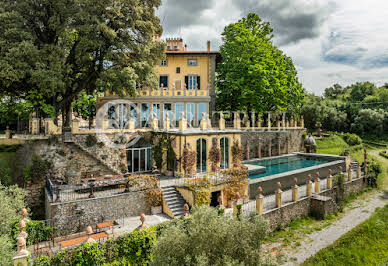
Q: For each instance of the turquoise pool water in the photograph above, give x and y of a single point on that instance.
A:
(285, 164)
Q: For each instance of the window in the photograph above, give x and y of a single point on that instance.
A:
(190, 113)
(156, 110)
(202, 108)
(193, 82)
(224, 144)
(163, 81)
(178, 70)
(167, 109)
(201, 155)
(163, 63)
(145, 109)
(139, 159)
(192, 62)
(178, 112)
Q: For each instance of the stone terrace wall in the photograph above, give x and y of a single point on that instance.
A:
(72, 217)
(280, 217)
(252, 137)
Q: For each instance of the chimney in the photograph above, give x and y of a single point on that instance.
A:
(208, 46)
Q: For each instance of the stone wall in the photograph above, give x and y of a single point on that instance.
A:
(74, 216)
(252, 138)
(315, 206)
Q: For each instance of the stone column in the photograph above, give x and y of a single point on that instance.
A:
(8, 133)
(358, 170)
(302, 122)
(166, 123)
(347, 163)
(21, 256)
(350, 174)
(278, 195)
(259, 122)
(236, 121)
(317, 183)
(183, 122)
(131, 122)
(259, 201)
(270, 148)
(295, 190)
(259, 148)
(247, 155)
(35, 126)
(309, 187)
(279, 146)
(269, 121)
(75, 126)
(279, 125)
(284, 121)
(105, 124)
(203, 123)
(142, 220)
(154, 122)
(221, 122)
(292, 122)
(287, 145)
(330, 180)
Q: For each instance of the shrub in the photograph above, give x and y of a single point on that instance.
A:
(130, 249)
(236, 153)
(236, 182)
(36, 230)
(189, 160)
(154, 197)
(211, 239)
(201, 187)
(352, 139)
(214, 156)
(374, 170)
(90, 141)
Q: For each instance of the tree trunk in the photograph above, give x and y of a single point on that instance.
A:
(66, 115)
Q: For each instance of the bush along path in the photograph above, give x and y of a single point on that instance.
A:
(354, 214)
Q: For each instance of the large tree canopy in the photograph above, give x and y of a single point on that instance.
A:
(56, 49)
(254, 74)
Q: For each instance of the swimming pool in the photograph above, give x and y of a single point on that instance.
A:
(285, 164)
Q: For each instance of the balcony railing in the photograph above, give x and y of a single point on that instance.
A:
(165, 92)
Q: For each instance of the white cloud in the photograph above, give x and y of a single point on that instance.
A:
(341, 41)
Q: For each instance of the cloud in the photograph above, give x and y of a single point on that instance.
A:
(292, 20)
(177, 14)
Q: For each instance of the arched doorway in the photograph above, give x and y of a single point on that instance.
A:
(139, 157)
(201, 155)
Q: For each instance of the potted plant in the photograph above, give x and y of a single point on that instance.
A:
(154, 200)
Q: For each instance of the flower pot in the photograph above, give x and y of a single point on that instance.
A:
(156, 210)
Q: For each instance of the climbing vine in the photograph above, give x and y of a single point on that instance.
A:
(202, 189)
(214, 156)
(236, 182)
(162, 143)
(189, 160)
(236, 153)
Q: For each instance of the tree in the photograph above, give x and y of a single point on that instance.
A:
(254, 74)
(334, 91)
(12, 201)
(207, 238)
(53, 50)
(359, 91)
(369, 121)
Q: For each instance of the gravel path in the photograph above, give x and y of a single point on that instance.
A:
(356, 213)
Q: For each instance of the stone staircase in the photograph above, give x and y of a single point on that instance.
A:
(95, 156)
(174, 201)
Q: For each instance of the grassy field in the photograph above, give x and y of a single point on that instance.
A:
(367, 244)
(336, 145)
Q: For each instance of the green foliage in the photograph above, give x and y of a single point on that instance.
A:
(352, 139)
(37, 169)
(374, 170)
(202, 189)
(37, 231)
(331, 145)
(6, 250)
(364, 245)
(91, 140)
(130, 249)
(211, 239)
(81, 104)
(339, 181)
(254, 74)
(161, 143)
(72, 47)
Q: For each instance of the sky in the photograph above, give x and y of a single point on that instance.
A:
(329, 41)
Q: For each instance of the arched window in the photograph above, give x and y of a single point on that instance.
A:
(224, 145)
(201, 155)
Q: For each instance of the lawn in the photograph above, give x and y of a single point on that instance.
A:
(366, 244)
(331, 145)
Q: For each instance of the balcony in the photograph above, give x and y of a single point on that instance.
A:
(165, 92)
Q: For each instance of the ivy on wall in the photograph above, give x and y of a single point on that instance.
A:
(236, 181)
(202, 189)
(189, 160)
(162, 143)
(236, 153)
(214, 156)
